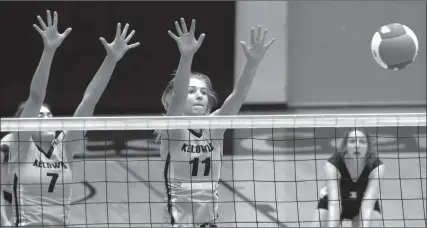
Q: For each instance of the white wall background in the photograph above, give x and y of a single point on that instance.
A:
(322, 53)
(269, 85)
(330, 63)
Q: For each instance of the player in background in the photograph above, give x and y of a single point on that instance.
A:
(41, 163)
(193, 157)
(352, 184)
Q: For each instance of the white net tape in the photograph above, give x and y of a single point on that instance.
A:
(213, 122)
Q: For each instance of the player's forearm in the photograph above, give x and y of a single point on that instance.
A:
(234, 102)
(244, 82)
(183, 74)
(41, 76)
(333, 216)
(100, 81)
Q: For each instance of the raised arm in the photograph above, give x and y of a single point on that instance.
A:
(115, 51)
(187, 46)
(371, 195)
(254, 54)
(52, 39)
(334, 199)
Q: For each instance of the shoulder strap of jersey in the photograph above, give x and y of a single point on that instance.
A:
(48, 154)
(337, 160)
(373, 162)
(195, 133)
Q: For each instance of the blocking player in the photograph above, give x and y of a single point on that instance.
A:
(193, 156)
(40, 163)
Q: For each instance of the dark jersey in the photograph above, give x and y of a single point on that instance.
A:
(352, 192)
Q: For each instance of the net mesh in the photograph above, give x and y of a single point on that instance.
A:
(272, 170)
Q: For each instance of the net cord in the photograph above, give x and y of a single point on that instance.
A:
(212, 122)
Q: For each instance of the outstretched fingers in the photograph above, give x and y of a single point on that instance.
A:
(133, 45)
(264, 34)
(103, 41)
(184, 26)
(55, 19)
(244, 46)
(130, 36)
(125, 31)
(42, 24)
(178, 29)
(121, 35)
(182, 29)
(118, 30)
(66, 32)
(201, 38)
(49, 18)
(252, 35)
(193, 26)
(38, 29)
(172, 35)
(258, 35)
(269, 43)
(49, 32)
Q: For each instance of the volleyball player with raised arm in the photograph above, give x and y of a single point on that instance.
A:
(193, 156)
(40, 163)
(352, 188)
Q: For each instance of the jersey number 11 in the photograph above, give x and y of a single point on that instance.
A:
(195, 169)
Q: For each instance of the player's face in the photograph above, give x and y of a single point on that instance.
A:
(44, 136)
(197, 100)
(357, 144)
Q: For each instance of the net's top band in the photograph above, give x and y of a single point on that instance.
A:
(212, 122)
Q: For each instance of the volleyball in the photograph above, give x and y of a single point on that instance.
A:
(394, 46)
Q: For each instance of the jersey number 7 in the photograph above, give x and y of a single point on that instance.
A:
(195, 169)
(52, 181)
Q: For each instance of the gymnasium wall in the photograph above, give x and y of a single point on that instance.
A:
(269, 86)
(330, 63)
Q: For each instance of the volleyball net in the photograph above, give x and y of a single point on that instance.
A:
(272, 169)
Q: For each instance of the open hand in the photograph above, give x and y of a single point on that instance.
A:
(187, 43)
(52, 39)
(119, 46)
(256, 50)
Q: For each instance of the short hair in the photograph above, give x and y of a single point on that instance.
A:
(21, 106)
